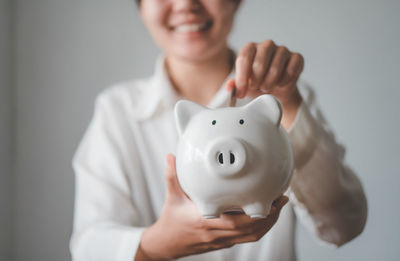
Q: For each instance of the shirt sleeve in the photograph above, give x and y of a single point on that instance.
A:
(106, 220)
(326, 194)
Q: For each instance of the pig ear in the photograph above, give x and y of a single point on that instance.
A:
(269, 106)
(184, 111)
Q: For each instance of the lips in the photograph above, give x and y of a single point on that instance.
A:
(192, 27)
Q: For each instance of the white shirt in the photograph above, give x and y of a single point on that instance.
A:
(120, 186)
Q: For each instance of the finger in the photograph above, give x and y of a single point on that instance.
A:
(235, 221)
(227, 222)
(230, 84)
(297, 65)
(215, 236)
(276, 69)
(219, 235)
(258, 228)
(294, 68)
(257, 231)
(282, 199)
(243, 66)
(204, 248)
(173, 187)
(255, 234)
(262, 60)
(278, 204)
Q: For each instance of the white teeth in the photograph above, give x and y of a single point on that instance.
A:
(189, 28)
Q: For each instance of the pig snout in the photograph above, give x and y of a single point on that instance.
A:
(226, 156)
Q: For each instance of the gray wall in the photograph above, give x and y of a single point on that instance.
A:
(68, 51)
(5, 129)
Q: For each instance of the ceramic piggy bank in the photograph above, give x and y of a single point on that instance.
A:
(234, 157)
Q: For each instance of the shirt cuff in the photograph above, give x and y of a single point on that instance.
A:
(307, 221)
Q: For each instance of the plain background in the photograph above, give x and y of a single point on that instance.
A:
(55, 56)
(5, 130)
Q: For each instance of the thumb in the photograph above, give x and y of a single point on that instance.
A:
(173, 187)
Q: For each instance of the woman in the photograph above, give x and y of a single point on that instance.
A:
(126, 210)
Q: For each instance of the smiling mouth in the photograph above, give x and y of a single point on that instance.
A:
(192, 28)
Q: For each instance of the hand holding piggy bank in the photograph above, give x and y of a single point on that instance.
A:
(234, 157)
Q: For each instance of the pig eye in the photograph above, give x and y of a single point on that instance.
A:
(214, 122)
(241, 121)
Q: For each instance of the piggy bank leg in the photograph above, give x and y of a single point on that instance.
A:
(257, 209)
(208, 210)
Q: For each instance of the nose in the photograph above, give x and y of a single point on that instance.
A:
(226, 157)
(221, 157)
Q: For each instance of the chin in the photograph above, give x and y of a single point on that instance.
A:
(193, 56)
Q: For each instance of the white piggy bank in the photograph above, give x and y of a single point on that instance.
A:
(233, 157)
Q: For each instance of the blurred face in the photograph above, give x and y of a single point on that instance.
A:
(189, 29)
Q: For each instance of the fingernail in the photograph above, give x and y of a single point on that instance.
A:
(283, 201)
